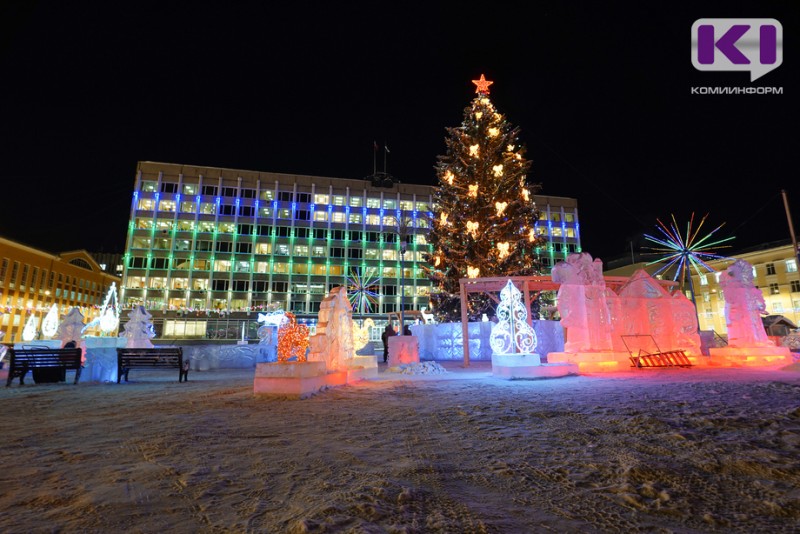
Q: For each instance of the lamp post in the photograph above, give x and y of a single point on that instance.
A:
(403, 247)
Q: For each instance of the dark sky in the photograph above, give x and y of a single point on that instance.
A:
(600, 90)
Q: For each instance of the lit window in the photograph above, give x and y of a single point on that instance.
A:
(166, 205)
(321, 199)
(373, 203)
(406, 205)
(389, 204)
(373, 219)
(569, 217)
(422, 206)
(356, 202)
(222, 265)
(389, 255)
(703, 280)
(149, 187)
(147, 204)
(280, 267)
(791, 266)
(189, 189)
(319, 252)
(301, 250)
(371, 254)
(321, 216)
(208, 208)
(227, 228)
(338, 200)
(355, 218)
(390, 220)
(421, 239)
(337, 217)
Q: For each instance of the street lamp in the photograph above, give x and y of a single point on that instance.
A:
(403, 226)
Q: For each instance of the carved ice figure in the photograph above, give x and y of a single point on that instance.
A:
(71, 329)
(744, 305)
(582, 303)
(361, 334)
(512, 334)
(650, 310)
(292, 340)
(139, 329)
(333, 342)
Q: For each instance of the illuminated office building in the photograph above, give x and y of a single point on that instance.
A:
(211, 240)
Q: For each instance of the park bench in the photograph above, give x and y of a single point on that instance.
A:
(151, 358)
(43, 359)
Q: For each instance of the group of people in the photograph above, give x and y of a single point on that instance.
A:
(389, 331)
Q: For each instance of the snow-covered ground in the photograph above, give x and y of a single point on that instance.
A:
(659, 450)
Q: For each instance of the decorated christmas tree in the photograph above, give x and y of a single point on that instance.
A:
(484, 215)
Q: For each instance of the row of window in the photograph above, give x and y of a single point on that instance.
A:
(25, 276)
(284, 196)
(258, 286)
(774, 289)
(791, 267)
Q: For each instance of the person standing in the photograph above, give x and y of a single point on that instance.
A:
(388, 331)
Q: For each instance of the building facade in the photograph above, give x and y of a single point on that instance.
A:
(31, 281)
(206, 241)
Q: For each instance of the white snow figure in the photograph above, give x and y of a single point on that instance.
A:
(333, 342)
(139, 329)
(744, 305)
(582, 303)
(512, 334)
(71, 329)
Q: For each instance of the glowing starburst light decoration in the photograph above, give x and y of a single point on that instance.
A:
(360, 291)
(685, 252)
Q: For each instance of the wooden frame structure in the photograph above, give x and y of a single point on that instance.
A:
(529, 286)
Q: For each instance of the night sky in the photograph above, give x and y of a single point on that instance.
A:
(600, 90)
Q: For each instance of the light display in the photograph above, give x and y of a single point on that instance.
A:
(29, 332)
(512, 333)
(486, 195)
(50, 322)
(685, 253)
(360, 292)
(292, 340)
(482, 85)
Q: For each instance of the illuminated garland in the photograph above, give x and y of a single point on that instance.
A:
(292, 340)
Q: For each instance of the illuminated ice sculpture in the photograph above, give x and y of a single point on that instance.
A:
(744, 305)
(108, 319)
(50, 322)
(582, 304)
(333, 341)
(139, 329)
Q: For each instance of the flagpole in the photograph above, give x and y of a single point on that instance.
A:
(385, 151)
(374, 158)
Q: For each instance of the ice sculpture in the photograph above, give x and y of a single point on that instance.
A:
(271, 320)
(333, 342)
(512, 334)
(361, 333)
(292, 340)
(29, 332)
(661, 321)
(50, 322)
(744, 305)
(139, 329)
(108, 319)
(71, 329)
(582, 303)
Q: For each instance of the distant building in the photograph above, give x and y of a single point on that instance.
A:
(31, 281)
(110, 262)
(207, 241)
